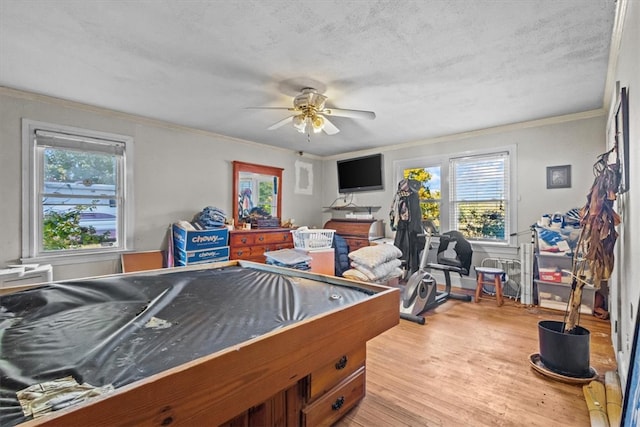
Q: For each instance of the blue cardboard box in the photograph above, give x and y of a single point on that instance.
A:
(198, 257)
(187, 240)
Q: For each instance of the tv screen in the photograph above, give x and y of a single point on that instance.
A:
(360, 174)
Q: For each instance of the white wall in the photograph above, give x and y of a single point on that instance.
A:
(624, 284)
(575, 140)
(177, 172)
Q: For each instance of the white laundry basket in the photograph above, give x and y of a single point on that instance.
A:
(305, 238)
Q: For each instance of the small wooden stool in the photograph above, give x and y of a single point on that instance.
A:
(490, 276)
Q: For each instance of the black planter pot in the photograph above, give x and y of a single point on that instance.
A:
(565, 354)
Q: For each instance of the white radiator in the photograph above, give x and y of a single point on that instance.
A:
(526, 260)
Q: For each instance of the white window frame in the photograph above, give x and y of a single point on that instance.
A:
(32, 207)
(445, 185)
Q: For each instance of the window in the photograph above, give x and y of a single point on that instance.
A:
(479, 199)
(430, 193)
(74, 190)
(470, 193)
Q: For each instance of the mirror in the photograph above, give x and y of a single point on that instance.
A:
(257, 189)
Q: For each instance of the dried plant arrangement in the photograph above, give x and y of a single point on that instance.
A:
(593, 258)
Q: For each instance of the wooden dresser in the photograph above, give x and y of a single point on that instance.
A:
(250, 245)
(357, 232)
(319, 399)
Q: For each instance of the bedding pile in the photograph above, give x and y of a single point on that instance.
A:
(378, 263)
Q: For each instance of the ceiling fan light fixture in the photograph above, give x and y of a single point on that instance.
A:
(318, 124)
(308, 124)
(311, 116)
(300, 123)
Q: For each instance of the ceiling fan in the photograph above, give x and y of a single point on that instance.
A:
(310, 114)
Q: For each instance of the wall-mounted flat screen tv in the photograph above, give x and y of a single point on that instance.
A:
(360, 174)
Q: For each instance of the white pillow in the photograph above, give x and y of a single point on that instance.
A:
(397, 272)
(371, 256)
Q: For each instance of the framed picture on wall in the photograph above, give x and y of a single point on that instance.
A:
(559, 176)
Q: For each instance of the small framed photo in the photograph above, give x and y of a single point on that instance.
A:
(559, 176)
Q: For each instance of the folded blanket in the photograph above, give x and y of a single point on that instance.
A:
(372, 256)
(379, 271)
(355, 274)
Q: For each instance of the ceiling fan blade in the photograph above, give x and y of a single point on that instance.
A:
(281, 123)
(354, 114)
(270, 108)
(329, 128)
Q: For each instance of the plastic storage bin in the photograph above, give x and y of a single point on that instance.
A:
(554, 268)
(556, 295)
(555, 262)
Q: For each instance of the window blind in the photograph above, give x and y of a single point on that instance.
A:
(76, 142)
(479, 195)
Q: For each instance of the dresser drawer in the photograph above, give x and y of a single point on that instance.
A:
(243, 239)
(325, 378)
(279, 246)
(246, 252)
(333, 405)
(251, 245)
(281, 237)
(240, 252)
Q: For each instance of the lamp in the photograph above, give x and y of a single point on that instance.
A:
(305, 122)
(318, 124)
(299, 123)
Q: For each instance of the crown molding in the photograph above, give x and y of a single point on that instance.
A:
(32, 96)
(16, 93)
(479, 132)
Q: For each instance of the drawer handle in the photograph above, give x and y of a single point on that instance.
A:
(244, 240)
(338, 403)
(261, 238)
(342, 363)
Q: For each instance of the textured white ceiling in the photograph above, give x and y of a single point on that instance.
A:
(427, 68)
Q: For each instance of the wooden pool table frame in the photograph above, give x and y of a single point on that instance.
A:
(216, 388)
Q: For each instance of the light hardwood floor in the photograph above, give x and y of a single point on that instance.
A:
(469, 366)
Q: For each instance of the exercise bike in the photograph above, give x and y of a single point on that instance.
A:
(421, 292)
